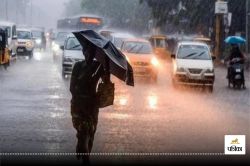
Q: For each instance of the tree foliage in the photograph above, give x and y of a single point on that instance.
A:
(197, 13)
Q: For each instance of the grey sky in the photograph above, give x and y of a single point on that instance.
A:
(51, 6)
(51, 9)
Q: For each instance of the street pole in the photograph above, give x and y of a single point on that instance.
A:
(247, 30)
(218, 35)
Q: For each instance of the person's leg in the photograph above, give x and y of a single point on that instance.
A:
(92, 136)
(93, 128)
(82, 148)
(82, 137)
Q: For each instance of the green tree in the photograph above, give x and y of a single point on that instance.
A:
(199, 13)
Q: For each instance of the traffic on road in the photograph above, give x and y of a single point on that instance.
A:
(173, 93)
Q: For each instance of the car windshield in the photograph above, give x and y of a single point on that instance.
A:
(24, 35)
(160, 43)
(73, 44)
(137, 47)
(37, 34)
(193, 52)
(61, 36)
(118, 42)
(6, 28)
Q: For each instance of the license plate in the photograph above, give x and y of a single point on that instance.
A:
(140, 70)
(195, 77)
(238, 70)
(20, 50)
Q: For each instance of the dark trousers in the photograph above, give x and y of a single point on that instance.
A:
(85, 119)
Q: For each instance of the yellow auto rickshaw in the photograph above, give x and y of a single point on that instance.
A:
(160, 46)
(4, 51)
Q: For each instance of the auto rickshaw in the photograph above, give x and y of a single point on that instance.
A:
(206, 40)
(4, 51)
(160, 46)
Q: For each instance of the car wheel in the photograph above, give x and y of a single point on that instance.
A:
(211, 89)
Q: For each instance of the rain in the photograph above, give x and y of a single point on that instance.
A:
(183, 103)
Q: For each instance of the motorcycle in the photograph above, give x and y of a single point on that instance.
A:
(236, 73)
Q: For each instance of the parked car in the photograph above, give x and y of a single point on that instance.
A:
(139, 53)
(72, 53)
(193, 65)
(25, 43)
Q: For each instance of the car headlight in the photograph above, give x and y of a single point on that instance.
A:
(38, 41)
(29, 44)
(55, 47)
(154, 61)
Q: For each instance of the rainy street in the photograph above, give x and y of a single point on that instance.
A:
(168, 82)
(35, 113)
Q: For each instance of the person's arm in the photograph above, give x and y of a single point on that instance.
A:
(75, 73)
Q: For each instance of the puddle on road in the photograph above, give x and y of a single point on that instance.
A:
(37, 56)
(117, 116)
(57, 115)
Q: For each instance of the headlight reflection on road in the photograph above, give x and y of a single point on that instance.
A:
(37, 56)
(123, 101)
(153, 101)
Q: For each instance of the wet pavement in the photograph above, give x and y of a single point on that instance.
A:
(147, 118)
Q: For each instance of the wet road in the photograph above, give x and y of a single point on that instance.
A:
(35, 113)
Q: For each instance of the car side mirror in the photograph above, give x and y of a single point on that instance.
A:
(62, 47)
(173, 56)
(14, 38)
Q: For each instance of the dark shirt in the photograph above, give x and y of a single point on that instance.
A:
(84, 82)
(236, 53)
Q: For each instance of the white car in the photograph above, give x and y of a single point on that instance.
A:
(193, 65)
(72, 53)
(25, 42)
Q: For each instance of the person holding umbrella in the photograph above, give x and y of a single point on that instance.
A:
(234, 54)
(101, 60)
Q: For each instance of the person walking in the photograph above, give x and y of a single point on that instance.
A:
(84, 104)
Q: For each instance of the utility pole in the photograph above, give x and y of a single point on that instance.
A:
(247, 26)
(221, 8)
(218, 35)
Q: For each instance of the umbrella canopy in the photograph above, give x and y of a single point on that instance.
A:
(107, 54)
(235, 40)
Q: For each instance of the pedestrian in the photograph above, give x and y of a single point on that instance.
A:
(84, 104)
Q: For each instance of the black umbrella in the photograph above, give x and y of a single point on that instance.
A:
(108, 54)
